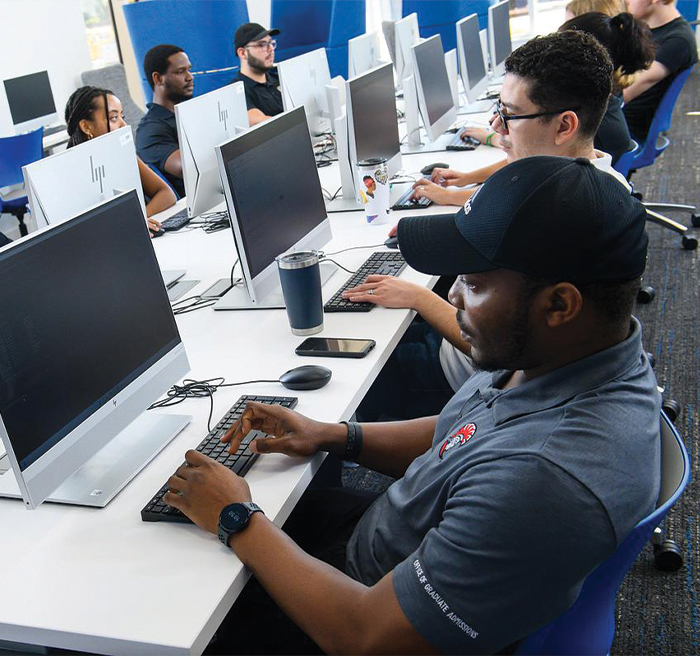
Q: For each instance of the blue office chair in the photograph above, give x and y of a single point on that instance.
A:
(624, 162)
(655, 144)
(16, 152)
(440, 16)
(588, 627)
(204, 29)
(305, 26)
(347, 22)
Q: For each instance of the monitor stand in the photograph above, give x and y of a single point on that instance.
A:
(477, 107)
(101, 478)
(238, 298)
(424, 144)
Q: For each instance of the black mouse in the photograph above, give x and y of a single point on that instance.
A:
(157, 233)
(427, 170)
(306, 377)
(392, 242)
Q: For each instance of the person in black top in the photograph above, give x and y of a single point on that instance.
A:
(631, 48)
(256, 50)
(676, 50)
(168, 71)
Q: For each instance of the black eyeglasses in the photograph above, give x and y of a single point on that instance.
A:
(504, 118)
(263, 45)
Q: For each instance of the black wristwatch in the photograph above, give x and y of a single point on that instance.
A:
(234, 518)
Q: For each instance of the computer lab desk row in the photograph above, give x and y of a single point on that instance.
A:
(103, 581)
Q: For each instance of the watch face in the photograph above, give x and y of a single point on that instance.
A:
(234, 517)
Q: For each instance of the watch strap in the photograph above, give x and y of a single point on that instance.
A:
(353, 446)
(225, 534)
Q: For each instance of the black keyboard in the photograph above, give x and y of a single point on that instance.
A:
(469, 143)
(240, 462)
(383, 263)
(176, 221)
(405, 202)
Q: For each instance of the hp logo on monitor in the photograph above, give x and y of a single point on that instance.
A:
(98, 174)
(223, 115)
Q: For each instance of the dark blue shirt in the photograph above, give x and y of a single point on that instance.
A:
(491, 533)
(263, 96)
(156, 140)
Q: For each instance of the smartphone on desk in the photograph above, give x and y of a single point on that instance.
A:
(331, 347)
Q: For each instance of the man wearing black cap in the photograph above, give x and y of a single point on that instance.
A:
(531, 476)
(255, 48)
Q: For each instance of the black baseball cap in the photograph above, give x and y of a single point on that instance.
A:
(551, 217)
(251, 32)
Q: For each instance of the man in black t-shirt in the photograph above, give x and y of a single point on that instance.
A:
(168, 71)
(255, 48)
(676, 50)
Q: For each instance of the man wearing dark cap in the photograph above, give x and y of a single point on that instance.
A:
(255, 48)
(532, 475)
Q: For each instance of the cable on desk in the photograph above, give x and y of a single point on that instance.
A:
(322, 255)
(197, 389)
(340, 266)
(408, 134)
(233, 268)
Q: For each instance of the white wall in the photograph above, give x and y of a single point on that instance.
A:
(42, 35)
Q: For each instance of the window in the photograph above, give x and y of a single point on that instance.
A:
(102, 40)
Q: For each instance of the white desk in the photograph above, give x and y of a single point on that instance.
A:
(103, 580)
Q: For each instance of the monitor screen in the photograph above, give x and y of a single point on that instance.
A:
(85, 312)
(471, 43)
(374, 120)
(274, 186)
(432, 76)
(501, 32)
(29, 97)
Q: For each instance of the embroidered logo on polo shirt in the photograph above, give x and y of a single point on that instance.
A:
(462, 436)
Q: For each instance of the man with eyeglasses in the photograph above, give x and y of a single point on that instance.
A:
(554, 95)
(255, 48)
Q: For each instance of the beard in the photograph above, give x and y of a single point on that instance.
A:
(258, 65)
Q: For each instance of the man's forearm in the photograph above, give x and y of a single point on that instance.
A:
(337, 612)
(441, 315)
(482, 175)
(387, 447)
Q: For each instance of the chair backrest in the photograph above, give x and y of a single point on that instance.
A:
(16, 152)
(114, 78)
(655, 143)
(588, 627)
(209, 46)
(624, 162)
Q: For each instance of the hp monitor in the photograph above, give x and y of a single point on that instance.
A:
(472, 65)
(406, 36)
(433, 86)
(61, 186)
(202, 124)
(499, 37)
(303, 82)
(78, 366)
(371, 131)
(31, 101)
(363, 54)
(275, 202)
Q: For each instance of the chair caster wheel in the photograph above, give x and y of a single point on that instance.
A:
(689, 243)
(667, 556)
(672, 409)
(695, 220)
(652, 359)
(646, 294)
(638, 195)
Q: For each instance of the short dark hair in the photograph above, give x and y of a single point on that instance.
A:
(566, 69)
(627, 40)
(613, 301)
(156, 60)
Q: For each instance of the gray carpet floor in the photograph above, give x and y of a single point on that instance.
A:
(659, 613)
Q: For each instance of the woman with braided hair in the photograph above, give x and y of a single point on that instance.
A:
(92, 112)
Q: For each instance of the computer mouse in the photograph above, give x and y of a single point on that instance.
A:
(392, 242)
(306, 377)
(157, 233)
(427, 170)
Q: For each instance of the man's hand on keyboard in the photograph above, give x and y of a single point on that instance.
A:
(436, 193)
(291, 433)
(202, 488)
(387, 291)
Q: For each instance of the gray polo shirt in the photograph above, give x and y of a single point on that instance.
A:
(491, 533)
